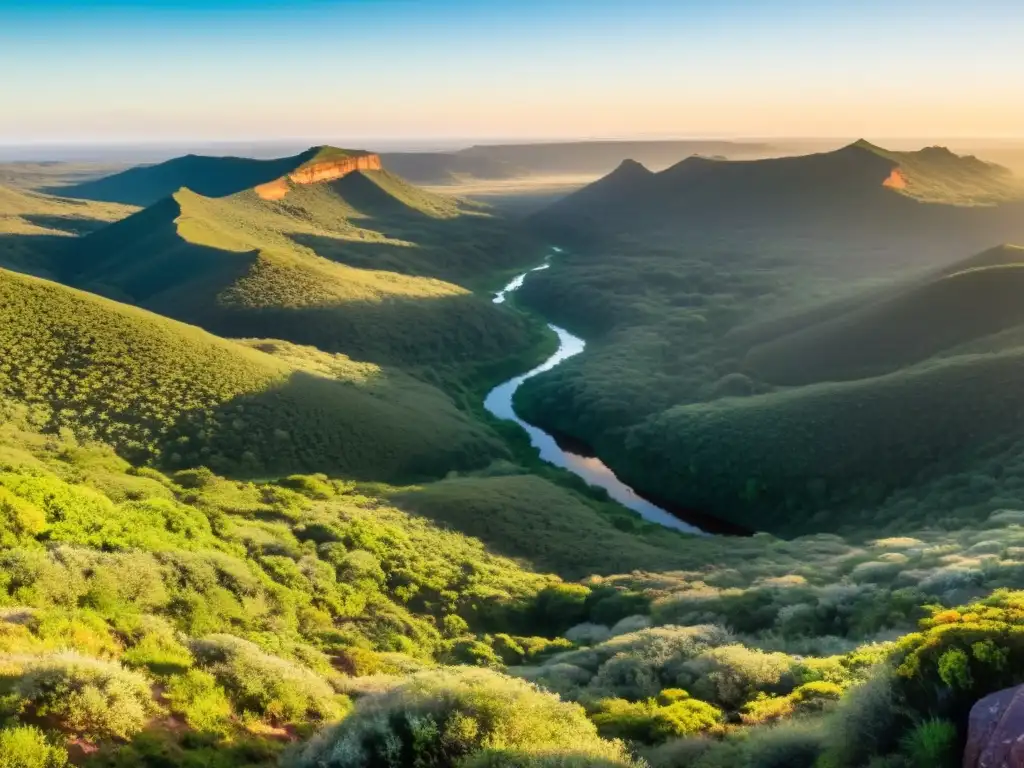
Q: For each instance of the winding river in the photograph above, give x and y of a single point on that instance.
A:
(590, 468)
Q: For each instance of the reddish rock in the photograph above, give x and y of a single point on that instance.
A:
(995, 736)
(313, 173)
(896, 180)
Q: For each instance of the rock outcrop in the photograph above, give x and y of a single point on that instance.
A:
(318, 171)
(995, 737)
(896, 180)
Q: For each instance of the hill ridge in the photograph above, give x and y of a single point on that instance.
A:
(209, 175)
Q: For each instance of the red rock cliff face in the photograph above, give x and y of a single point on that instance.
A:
(314, 173)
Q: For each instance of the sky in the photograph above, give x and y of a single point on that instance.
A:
(436, 70)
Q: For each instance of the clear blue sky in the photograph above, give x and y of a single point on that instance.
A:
(235, 69)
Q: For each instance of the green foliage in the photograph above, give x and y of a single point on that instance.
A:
(34, 227)
(931, 744)
(96, 699)
(732, 674)
(196, 696)
(348, 265)
(459, 716)
(552, 527)
(157, 389)
(268, 686)
(652, 721)
(25, 746)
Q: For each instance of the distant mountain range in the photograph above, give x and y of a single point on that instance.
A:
(220, 176)
(860, 194)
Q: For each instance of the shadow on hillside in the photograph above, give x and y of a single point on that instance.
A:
(381, 430)
(171, 743)
(447, 249)
(144, 256)
(37, 255)
(73, 225)
(436, 331)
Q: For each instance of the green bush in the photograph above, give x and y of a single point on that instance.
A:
(196, 696)
(652, 722)
(734, 674)
(459, 716)
(931, 744)
(268, 686)
(92, 698)
(25, 746)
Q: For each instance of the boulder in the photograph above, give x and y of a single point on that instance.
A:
(995, 735)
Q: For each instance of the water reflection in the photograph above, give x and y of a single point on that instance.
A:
(590, 468)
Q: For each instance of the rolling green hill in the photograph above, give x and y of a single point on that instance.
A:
(211, 176)
(824, 456)
(705, 289)
(158, 389)
(856, 208)
(34, 226)
(348, 261)
(974, 298)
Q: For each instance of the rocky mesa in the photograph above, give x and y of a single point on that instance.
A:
(317, 171)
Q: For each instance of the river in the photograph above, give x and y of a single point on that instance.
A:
(590, 468)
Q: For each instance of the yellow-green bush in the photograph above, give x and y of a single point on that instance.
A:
(459, 716)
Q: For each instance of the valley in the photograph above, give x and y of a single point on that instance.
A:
(708, 464)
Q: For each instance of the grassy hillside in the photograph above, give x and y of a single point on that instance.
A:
(349, 265)
(547, 526)
(703, 289)
(820, 456)
(668, 396)
(34, 226)
(855, 208)
(937, 175)
(970, 300)
(211, 176)
(158, 389)
(151, 619)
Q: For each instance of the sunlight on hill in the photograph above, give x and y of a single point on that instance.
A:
(158, 389)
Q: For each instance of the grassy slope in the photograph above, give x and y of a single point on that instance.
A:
(243, 266)
(227, 619)
(157, 388)
(797, 459)
(33, 226)
(213, 176)
(670, 314)
(809, 204)
(936, 175)
(550, 527)
(964, 303)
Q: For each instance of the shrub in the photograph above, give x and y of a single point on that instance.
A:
(651, 722)
(766, 708)
(96, 699)
(25, 746)
(931, 744)
(732, 675)
(815, 695)
(560, 606)
(444, 717)
(316, 487)
(158, 651)
(268, 686)
(19, 518)
(789, 745)
(588, 634)
(868, 722)
(196, 696)
(473, 652)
